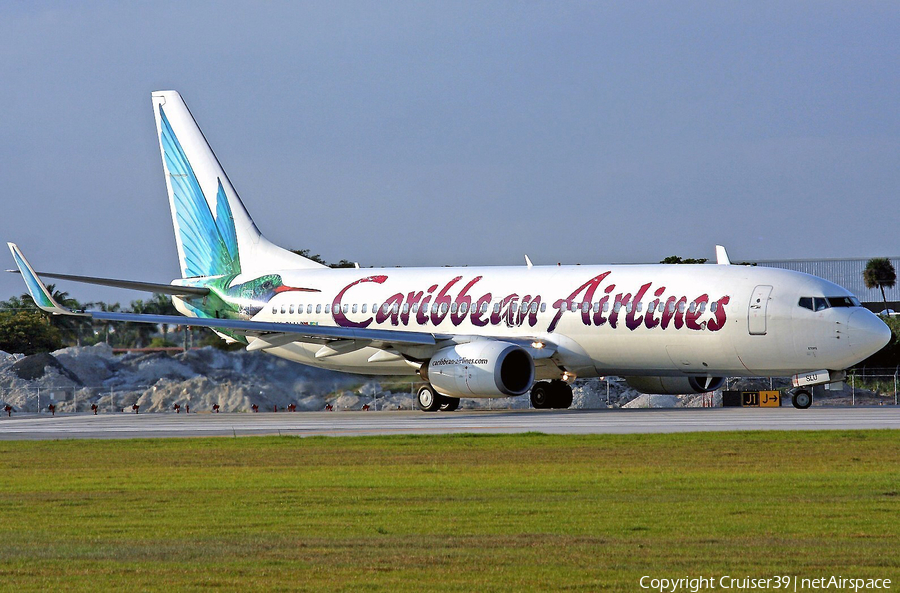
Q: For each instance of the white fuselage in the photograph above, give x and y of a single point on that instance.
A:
(659, 320)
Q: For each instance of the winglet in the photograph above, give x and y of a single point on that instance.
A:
(42, 297)
(528, 261)
(722, 256)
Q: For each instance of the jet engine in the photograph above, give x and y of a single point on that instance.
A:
(675, 385)
(484, 368)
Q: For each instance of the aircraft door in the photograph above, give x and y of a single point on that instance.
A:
(759, 303)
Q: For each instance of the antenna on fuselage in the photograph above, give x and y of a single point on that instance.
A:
(722, 256)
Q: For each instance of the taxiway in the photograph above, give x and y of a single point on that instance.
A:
(110, 426)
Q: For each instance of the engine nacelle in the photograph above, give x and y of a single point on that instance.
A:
(484, 368)
(675, 385)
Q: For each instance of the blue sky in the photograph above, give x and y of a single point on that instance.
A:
(457, 133)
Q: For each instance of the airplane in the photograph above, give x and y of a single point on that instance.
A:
(482, 332)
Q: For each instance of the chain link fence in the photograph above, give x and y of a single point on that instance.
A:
(863, 387)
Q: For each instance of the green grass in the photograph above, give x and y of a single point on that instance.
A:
(451, 513)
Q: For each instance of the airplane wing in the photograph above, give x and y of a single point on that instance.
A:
(44, 300)
(262, 334)
(259, 328)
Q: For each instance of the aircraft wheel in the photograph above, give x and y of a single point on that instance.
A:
(801, 399)
(448, 404)
(428, 399)
(563, 395)
(541, 395)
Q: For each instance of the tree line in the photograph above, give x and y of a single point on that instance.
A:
(26, 329)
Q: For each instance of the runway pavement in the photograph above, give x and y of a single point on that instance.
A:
(118, 426)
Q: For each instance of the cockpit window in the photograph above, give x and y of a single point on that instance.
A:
(843, 301)
(822, 303)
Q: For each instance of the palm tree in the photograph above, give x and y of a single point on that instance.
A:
(879, 273)
(107, 325)
(139, 333)
(161, 304)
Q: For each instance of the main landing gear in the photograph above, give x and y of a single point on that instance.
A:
(551, 394)
(801, 399)
(431, 401)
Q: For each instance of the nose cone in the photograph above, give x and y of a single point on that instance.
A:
(868, 334)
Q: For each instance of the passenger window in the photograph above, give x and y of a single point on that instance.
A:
(713, 307)
(597, 307)
(318, 308)
(806, 303)
(415, 308)
(681, 307)
(463, 307)
(282, 309)
(395, 308)
(364, 307)
(543, 307)
(585, 307)
(496, 307)
(820, 304)
(629, 307)
(327, 307)
(513, 306)
(453, 308)
(354, 308)
(274, 310)
(534, 307)
(434, 309)
(291, 310)
(617, 307)
(640, 305)
(405, 308)
(484, 308)
(606, 307)
(385, 308)
(573, 307)
(443, 308)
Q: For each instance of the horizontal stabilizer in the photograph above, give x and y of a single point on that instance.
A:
(185, 291)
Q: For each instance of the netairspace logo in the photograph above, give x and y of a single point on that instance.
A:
(783, 582)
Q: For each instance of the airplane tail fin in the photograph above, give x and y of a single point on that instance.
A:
(213, 230)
